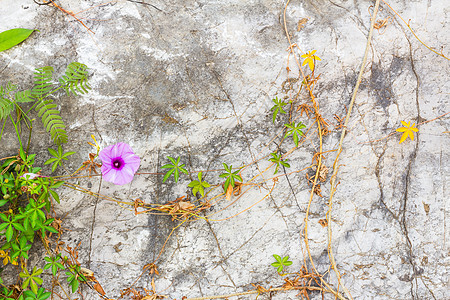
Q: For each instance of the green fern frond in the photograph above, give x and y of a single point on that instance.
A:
(6, 105)
(24, 96)
(42, 82)
(52, 121)
(75, 79)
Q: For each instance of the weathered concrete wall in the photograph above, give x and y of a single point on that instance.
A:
(195, 79)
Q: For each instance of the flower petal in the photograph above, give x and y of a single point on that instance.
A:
(133, 162)
(105, 154)
(110, 174)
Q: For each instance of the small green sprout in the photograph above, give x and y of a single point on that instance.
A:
(295, 131)
(281, 262)
(58, 157)
(231, 177)
(199, 185)
(54, 264)
(278, 161)
(277, 108)
(40, 295)
(175, 169)
(31, 279)
(75, 277)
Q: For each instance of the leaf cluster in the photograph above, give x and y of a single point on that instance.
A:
(277, 108)
(295, 131)
(198, 186)
(231, 177)
(58, 157)
(280, 263)
(175, 169)
(276, 158)
(19, 222)
(74, 81)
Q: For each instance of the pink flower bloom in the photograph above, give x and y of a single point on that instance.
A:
(31, 176)
(119, 163)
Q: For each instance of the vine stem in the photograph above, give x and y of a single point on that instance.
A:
(339, 150)
(257, 291)
(415, 35)
(319, 160)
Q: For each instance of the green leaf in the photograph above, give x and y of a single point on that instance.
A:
(57, 159)
(281, 262)
(9, 233)
(198, 185)
(175, 169)
(230, 176)
(276, 158)
(75, 79)
(12, 37)
(54, 195)
(295, 131)
(277, 108)
(74, 284)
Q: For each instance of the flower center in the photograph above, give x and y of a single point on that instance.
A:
(118, 163)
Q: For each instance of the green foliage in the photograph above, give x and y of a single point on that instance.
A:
(31, 279)
(40, 295)
(12, 37)
(277, 108)
(6, 102)
(174, 168)
(58, 157)
(9, 224)
(45, 108)
(23, 96)
(25, 195)
(281, 262)
(6, 294)
(52, 121)
(198, 186)
(278, 161)
(18, 222)
(230, 176)
(42, 82)
(75, 79)
(75, 277)
(20, 249)
(54, 264)
(295, 131)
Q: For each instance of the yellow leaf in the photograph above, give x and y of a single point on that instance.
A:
(310, 59)
(408, 130)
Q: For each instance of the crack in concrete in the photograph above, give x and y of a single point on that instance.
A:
(380, 184)
(220, 263)
(93, 223)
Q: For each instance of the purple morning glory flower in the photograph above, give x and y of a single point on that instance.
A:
(119, 163)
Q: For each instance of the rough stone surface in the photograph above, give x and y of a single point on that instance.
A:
(195, 79)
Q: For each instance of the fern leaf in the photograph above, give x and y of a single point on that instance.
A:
(75, 79)
(25, 96)
(52, 121)
(42, 82)
(6, 105)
